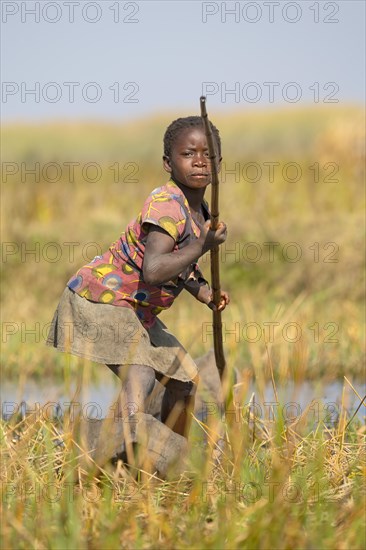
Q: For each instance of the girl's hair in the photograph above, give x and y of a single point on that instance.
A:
(180, 124)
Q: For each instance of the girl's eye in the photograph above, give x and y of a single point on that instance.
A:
(188, 153)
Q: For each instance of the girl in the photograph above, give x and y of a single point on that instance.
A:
(108, 310)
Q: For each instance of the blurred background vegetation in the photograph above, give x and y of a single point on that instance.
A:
(317, 202)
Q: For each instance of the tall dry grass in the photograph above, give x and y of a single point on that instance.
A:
(279, 484)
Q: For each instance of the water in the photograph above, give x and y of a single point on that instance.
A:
(96, 401)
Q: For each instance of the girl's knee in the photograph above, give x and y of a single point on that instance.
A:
(136, 376)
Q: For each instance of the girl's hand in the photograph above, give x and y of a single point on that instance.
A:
(209, 239)
(205, 296)
(224, 301)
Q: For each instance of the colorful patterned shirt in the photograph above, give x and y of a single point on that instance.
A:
(116, 277)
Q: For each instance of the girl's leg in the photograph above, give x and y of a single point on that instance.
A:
(137, 384)
(178, 404)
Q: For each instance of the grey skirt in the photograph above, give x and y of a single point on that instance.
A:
(113, 335)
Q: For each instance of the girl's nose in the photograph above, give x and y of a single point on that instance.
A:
(199, 160)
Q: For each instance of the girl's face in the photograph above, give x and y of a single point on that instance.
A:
(189, 162)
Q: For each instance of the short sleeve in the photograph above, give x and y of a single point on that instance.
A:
(163, 210)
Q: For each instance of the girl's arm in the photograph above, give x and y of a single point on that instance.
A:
(161, 263)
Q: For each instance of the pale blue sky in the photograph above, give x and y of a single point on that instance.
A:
(169, 52)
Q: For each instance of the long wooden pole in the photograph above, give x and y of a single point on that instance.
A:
(215, 259)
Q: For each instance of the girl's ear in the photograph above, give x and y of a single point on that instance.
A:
(166, 164)
(219, 165)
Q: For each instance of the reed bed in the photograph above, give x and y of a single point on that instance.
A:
(297, 483)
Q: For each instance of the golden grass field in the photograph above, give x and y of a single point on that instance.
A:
(316, 282)
(292, 193)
